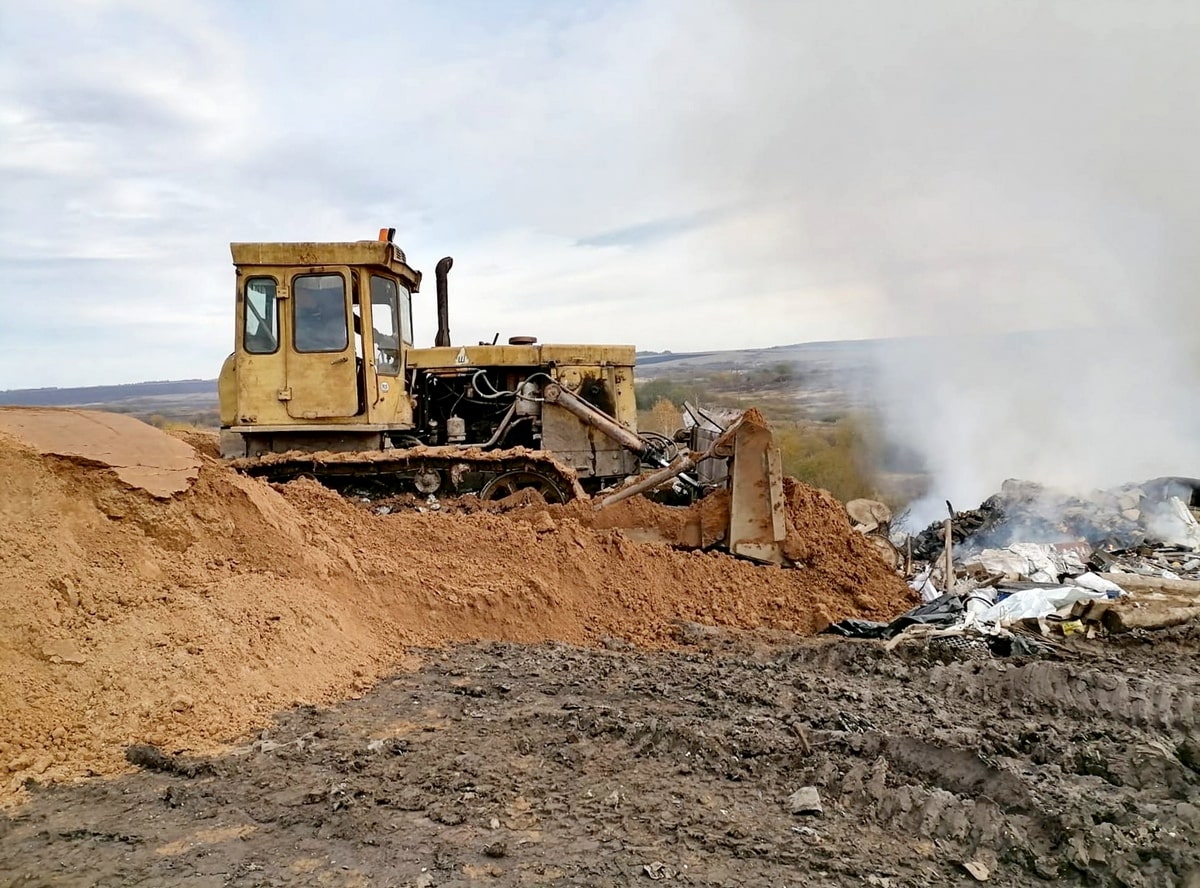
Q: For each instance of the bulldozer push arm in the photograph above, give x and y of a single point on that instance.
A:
(756, 524)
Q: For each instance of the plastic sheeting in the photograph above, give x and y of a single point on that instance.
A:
(1030, 604)
(923, 585)
(1039, 562)
(941, 612)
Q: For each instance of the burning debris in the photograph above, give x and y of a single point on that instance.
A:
(1034, 560)
(1158, 513)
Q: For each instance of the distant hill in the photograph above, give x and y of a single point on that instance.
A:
(824, 378)
(108, 394)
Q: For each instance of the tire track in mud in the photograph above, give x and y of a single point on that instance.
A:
(552, 765)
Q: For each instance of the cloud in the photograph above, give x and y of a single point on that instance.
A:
(683, 175)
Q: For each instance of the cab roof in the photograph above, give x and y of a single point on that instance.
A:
(366, 253)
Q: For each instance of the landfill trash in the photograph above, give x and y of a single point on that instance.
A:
(961, 644)
(1038, 562)
(1096, 583)
(1032, 603)
(1121, 518)
(1019, 646)
(1032, 562)
(659, 871)
(1031, 559)
(978, 870)
(1175, 525)
(1008, 564)
(806, 801)
(977, 602)
(923, 585)
(857, 629)
(867, 515)
(945, 610)
(1152, 615)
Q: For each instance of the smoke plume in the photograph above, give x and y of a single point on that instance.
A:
(1013, 187)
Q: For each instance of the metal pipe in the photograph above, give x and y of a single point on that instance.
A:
(681, 465)
(443, 301)
(948, 552)
(500, 430)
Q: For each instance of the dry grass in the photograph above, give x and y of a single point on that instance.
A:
(836, 456)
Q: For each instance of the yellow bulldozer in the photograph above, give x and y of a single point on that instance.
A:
(326, 381)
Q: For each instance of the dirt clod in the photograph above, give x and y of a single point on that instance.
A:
(805, 800)
(154, 759)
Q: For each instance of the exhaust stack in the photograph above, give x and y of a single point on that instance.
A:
(443, 301)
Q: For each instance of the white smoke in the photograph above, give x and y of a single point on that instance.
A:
(973, 171)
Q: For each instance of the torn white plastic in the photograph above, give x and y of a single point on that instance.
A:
(1175, 525)
(1039, 562)
(1098, 584)
(923, 585)
(1031, 604)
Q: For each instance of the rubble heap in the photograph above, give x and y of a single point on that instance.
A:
(1124, 518)
(1041, 562)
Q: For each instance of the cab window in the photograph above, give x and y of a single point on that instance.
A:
(406, 330)
(385, 318)
(319, 306)
(261, 322)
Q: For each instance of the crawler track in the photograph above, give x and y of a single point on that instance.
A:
(390, 472)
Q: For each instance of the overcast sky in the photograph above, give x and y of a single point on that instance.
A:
(679, 175)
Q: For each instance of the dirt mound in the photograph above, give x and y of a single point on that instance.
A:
(185, 621)
(139, 454)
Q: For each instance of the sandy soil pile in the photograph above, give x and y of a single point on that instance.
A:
(186, 620)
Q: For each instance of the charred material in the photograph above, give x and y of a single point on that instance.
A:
(1120, 519)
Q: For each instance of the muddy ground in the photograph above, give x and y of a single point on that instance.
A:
(497, 764)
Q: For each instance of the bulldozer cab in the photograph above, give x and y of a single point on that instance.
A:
(321, 338)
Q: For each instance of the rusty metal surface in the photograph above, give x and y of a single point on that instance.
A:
(449, 460)
(307, 255)
(649, 482)
(441, 273)
(556, 394)
(757, 518)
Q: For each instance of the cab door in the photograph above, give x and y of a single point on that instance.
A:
(262, 351)
(322, 373)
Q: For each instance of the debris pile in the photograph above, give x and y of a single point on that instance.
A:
(1159, 513)
(1039, 562)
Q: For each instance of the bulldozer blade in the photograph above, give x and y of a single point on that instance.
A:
(757, 520)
